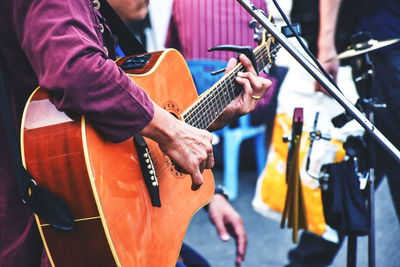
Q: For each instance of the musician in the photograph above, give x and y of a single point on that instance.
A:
(61, 46)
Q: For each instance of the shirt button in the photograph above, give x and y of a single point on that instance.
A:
(106, 49)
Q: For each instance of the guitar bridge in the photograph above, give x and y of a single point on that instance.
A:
(148, 171)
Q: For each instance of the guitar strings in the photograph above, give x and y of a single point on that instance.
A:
(193, 119)
(260, 54)
(158, 155)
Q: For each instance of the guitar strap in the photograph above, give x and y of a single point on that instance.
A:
(126, 39)
(41, 201)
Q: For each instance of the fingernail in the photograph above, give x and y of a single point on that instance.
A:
(225, 237)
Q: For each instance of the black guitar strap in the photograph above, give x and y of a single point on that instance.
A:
(126, 40)
(41, 201)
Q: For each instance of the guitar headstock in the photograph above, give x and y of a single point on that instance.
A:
(266, 42)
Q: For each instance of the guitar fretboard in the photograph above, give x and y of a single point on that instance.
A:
(217, 98)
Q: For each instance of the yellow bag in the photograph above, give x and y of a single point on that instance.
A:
(271, 185)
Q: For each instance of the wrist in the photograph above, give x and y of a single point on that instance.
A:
(219, 190)
(161, 127)
(222, 191)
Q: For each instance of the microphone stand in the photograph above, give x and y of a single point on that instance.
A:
(363, 74)
(261, 17)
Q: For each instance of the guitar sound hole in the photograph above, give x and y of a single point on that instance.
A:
(174, 169)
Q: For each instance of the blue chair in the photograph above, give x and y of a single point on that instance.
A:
(232, 136)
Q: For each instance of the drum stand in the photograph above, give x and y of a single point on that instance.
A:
(363, 74)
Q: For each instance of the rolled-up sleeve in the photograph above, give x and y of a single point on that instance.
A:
(63, 43)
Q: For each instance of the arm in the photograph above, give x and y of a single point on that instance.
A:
(64, 46)
(329, 10)
(228, 222)
(65, 49)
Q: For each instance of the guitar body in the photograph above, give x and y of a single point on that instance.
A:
(115, 222)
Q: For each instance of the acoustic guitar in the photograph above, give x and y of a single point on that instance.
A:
(116, 221)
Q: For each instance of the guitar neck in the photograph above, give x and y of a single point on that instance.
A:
(211, 104)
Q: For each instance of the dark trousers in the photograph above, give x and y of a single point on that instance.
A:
(191, 258)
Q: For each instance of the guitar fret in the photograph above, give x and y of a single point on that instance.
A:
(212, 104)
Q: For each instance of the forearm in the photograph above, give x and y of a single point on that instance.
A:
(329, 11)
(162, 127)
(65, 49)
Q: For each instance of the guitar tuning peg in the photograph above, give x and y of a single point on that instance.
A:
(253, 23)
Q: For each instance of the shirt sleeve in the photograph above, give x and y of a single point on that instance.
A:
(64, 45)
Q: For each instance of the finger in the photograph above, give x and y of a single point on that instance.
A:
(244, 81)
(236, 229)
(247, 63)
(210, 160)
(221, 229)
(231, 64)
(258, 86)
(254, 80)
(241, 243)
(202, 165)
(197, 180)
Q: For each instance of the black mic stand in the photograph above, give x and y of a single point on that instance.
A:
(363, 74)
(262, 18)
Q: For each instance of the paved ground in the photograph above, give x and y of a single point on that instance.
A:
(268, 244)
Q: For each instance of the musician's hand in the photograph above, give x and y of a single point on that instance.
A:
(190, 148)
(254, 89)
(228, 222)
(325, 54)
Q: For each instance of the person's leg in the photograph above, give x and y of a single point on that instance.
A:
(313, 251)
(191, 258)
(180, 264)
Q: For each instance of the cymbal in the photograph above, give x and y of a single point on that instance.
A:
(364, 48)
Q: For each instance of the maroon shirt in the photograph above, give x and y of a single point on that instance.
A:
(59, 46)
